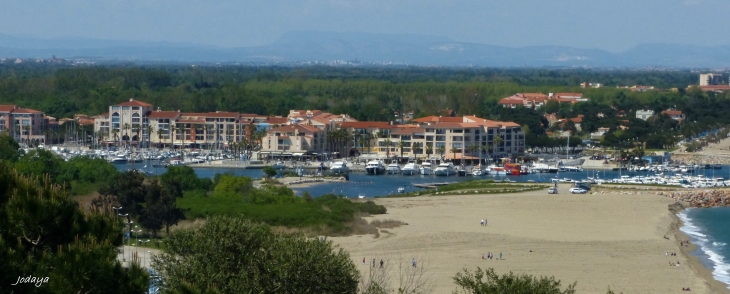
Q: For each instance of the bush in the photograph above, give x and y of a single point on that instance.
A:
(508, 283)
(235, 255)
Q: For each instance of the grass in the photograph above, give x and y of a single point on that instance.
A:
(473, 187)
(329, 213)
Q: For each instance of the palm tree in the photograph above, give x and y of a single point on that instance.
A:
(358, 139)
(369, 138)
(401, 145)
(160, 135)
(453, 151)
(150, 131)
(497, 141)
(137, 129)
(181, 129)
(115, 132)
(208, 128)
(387, 143)
(126, 128)
(473, 148)
(441, 150)
(415, 146)
(429, 150)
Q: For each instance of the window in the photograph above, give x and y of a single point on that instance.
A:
(405, 138)
(440, 144)
(457, 138)
(440, 131)
(457, 145)
(429, 138)
(490, 131)
(458, 131)
(429, 130)
(440, 138)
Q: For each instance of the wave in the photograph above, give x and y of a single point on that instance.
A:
(720, 268)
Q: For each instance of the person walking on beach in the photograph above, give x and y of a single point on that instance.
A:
(373, 262)
(485, 221)
(413, 262)
(482, 223)
(363, 261)
(500, 256)
(381, 263)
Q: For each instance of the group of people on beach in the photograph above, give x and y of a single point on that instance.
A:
(670, 254)
(484, 222)
(374, 264)
(673, 264)
(491, 256)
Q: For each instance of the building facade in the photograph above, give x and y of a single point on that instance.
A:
(27, 126)
(710, 79)
(644, 114)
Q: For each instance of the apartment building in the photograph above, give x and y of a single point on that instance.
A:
(294, 140)
(467, 137)
(710, 79)
(27, 126)
(126, 122)
(674, 114)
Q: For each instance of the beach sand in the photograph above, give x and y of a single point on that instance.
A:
(600, 241)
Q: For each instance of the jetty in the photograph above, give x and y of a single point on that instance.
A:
(432, 185)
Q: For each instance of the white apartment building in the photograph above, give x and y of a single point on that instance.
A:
(644, 114)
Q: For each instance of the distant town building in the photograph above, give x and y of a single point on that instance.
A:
(644, 114)
(710, 79)
(674, 114)
(537, 100)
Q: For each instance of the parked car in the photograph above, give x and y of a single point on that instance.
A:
(582, 185)
(553, 190)
(578, 190)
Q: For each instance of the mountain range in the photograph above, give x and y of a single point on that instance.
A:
(314, 46)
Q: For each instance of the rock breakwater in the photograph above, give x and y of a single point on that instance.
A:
(700, 198)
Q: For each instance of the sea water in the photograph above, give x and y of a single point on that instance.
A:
(709, 228)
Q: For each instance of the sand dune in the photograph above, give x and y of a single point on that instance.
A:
(600, 241)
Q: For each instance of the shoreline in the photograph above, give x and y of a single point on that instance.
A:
(694, 261)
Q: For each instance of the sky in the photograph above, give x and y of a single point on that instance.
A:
(613, 25)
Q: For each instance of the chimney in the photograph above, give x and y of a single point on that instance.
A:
(178, 111)
(131, 99)
(158, 109)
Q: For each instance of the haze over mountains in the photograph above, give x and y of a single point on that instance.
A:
(426, 50)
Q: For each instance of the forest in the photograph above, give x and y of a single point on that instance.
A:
(376, 93)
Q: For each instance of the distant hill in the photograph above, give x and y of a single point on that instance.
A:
(306, 46)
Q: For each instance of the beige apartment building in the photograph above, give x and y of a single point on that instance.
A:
(27, 126)
(425, 138)
(294, 140)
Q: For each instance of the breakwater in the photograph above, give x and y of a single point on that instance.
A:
(699, 159)
(700, 198)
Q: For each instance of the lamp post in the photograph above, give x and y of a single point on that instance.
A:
(125, 215)
(136, 244)
(148, 252)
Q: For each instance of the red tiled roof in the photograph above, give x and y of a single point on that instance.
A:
(7, 108)
(25, 110)
(407, 131)
(133, 102)
(568, 95)
(672, 112)
(365, 124)
(291, 128)
(223, 114)
(434, 118)
(162, 114)
(578, 119)
(276, 120)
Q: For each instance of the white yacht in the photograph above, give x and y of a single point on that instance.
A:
(119, 159)
(375, 167)
(401, 190)
(393, 168)
(410, 169)
(445, 169)
(279, 165)
(339, 167)
(426, 168)
(478, 171)
(497, 170)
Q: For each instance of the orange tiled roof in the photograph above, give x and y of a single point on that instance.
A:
(7, 108)
(133, 102)
(434, 118)
(364, 124)
(162, 114)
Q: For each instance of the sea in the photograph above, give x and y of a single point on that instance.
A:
(707, 227)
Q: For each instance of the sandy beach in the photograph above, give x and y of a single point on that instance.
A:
(600, 241)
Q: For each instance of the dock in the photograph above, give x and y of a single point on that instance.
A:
(432, 185)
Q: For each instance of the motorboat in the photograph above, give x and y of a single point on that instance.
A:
(279, 165)
(393, 168)
(375, 167)
(401, 190)
(426, 168)
(445, 169)
(119, 159)
(339, 167)
(477, 171)
(410, 169)
(361, 196)
(497, 170)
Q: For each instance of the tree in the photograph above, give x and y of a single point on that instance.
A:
(43, 233)
(387, 144)
(126, 128)
(160, 209)
(401, 145)
(9, 149)
(497, 142)
(441, 150)
(269, 171)
(473, 283)
(453, 151)
(127, 189)
(235, 255)
(429, 149)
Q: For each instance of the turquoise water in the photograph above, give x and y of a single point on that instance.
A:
(710, 229)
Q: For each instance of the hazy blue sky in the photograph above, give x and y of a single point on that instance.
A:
(613, 25)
